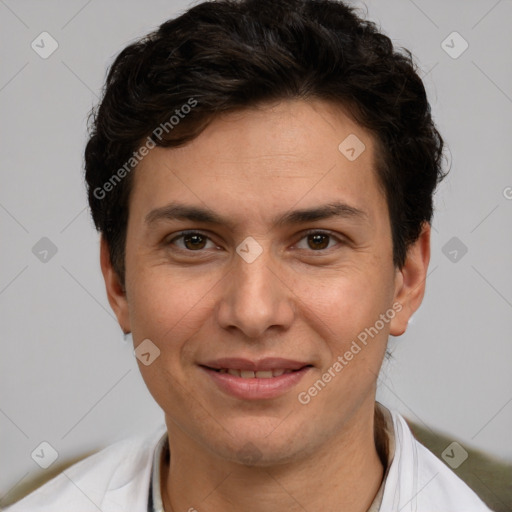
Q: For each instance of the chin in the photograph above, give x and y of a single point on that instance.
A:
(259, 445)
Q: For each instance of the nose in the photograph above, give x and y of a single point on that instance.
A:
(256, 298)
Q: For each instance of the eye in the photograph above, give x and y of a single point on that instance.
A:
(193, 241)
(318, 240)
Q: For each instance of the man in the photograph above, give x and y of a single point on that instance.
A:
(261, 174)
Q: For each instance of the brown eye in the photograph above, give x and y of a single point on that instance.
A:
(191, 241)
(318, 241)
(194, 241)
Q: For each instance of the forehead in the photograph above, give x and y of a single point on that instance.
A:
(266, 158)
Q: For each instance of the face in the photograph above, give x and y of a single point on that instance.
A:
(259, 284)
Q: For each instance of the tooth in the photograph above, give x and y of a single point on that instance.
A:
(223, 370)
(277, 373)
(247, 374)
(288, 371)
(264, 374)
(236, 373)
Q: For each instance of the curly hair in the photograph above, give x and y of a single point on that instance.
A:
(232, 54)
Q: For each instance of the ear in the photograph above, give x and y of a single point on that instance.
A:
(410, 281)
(115, 290)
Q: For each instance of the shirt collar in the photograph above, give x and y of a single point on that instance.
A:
(155, 503)
(389, 431)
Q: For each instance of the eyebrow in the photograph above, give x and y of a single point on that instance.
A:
(179, 211)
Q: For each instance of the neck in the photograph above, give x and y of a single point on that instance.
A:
(346, 469)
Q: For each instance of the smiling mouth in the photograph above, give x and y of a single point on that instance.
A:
(260, 374)
(267, 379)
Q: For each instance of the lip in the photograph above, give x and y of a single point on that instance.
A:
(269, 363)
(255, 388)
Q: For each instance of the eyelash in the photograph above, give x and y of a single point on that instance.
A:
(305, 235)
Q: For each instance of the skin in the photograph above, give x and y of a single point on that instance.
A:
(301, 299)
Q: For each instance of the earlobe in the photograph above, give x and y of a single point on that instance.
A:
(116, 292)
(410, 281)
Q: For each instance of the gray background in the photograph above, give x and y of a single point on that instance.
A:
(67, 376)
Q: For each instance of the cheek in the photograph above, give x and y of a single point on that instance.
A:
(168, 307)
(168, 310)
(346, 302)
